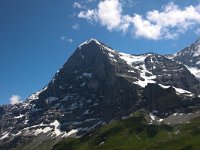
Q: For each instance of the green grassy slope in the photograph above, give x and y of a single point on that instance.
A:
(135, 134)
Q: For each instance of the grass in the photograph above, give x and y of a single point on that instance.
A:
(135, 134)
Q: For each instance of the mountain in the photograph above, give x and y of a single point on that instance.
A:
(190, 56)
(96, 86)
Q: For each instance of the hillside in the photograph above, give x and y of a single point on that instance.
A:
(136, 133)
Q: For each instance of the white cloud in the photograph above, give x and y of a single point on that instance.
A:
(14, 99)
(78, 5)
(108, 13)
(90, 15)
(174, 19)
(168, 23)
(143, 28)
(76, 26)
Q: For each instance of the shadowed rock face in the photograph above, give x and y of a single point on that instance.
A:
(161, 99)
(190, 55)
(95, 86)
(91, 82)
(170, 72)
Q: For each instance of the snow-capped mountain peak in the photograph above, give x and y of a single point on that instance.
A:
(89, 41)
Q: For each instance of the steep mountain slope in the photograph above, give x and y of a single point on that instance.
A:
(95, 86)
(190, 56)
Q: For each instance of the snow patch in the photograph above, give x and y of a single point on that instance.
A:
(36, 94)
(47, 129)
(53, 128)
(139, 59)
(88, 41)
(178, 90)
(40, 130)
(146, 79)
(56, 125)
(197, 51)
(72, 132)
(58, 71)
(86, 112)
(181, 91)
(194, 71)
(51, 99)
(89, 75)
(83, 84)
(26, 121)
(111, 55)
(152, 116)
(130, 59)
(20, 116)
(198, 62)
(101, 143)
(5, 135)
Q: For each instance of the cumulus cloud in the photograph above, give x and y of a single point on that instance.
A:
(108, 13)
(168, 23)
(172, 20)
(14, 99)
(90, 15)
(144, 28)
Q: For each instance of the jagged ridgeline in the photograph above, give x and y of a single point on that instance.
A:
(98, 85)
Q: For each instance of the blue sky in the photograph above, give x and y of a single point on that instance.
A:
(37, 37)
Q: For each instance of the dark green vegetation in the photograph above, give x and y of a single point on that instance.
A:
(136, 134)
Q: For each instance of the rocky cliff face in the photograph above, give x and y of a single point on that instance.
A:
(95, 86)
(190, 56)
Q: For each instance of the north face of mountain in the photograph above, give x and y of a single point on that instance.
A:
(89, 79)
